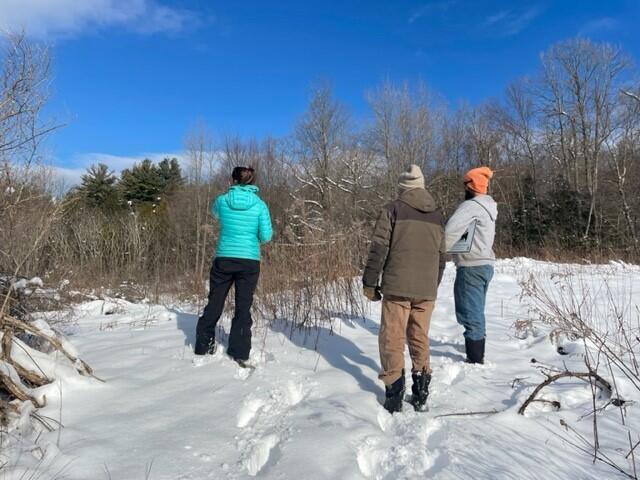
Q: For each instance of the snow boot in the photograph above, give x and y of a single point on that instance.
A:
(244, 364)
(420, 390)
(200, 360)
(475, 350)
(394, 395)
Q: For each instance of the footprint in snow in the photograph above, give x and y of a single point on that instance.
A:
(260, 453)
(405, 448)
(243, 373)
(451, 374)
(248, 411)
(265, 424)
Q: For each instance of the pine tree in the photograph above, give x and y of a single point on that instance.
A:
(530, 216)
(171, 175)
(98, 188)
(142, 182)
(149, 183)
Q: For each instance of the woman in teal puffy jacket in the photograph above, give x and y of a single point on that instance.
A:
(245, 223)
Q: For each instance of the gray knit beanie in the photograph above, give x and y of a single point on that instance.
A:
(411, 178)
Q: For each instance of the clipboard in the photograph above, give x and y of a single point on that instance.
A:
(466, 240)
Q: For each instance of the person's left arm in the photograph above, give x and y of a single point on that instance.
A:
(458, 223)
(265, 229)
(443, 253)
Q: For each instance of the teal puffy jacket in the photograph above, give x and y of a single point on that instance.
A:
(245, 222)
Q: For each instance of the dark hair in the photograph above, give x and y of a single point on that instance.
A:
(244, 175)
(468, 193)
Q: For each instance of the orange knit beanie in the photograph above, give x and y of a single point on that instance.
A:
(477, 179)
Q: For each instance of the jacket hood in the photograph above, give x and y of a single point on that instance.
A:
(419, 199)
(242, 197)
(489, 203)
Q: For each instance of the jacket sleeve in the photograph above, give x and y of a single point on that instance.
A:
(265, 230)
(458, 223)
(443, 254)
(379, 249)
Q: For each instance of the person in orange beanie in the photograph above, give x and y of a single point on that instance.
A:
(476, 180)
(470, 233)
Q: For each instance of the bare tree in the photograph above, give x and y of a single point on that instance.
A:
(201, 160)
(403, 127)
(623, 148)
(319, 139)
(578, 95)
(24, 88)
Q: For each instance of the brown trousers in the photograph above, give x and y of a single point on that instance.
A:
(404, 320)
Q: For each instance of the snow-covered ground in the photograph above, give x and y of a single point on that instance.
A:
(311, 409)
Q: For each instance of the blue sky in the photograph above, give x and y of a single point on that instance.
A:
(132, 76)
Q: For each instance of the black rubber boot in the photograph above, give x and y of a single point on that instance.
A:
(394, 395)
(244, 363)
(420, 391)
(475, 350)
(209, 349)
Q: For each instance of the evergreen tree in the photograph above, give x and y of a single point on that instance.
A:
(568, 213)
(530, 217)
(171, 175)
(142, 182)
(98, 188)
(149, 183)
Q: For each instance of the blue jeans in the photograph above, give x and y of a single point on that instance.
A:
(470, 294)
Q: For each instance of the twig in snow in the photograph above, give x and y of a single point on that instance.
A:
(588, 449)
(466, 414)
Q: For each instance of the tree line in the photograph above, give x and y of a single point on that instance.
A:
(564, 143)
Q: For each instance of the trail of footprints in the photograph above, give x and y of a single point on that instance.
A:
(264, 423)
(406, 449)
(410, 445)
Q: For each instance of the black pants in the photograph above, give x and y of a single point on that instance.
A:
(225, 272)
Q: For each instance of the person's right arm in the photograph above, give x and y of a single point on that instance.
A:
(215, 208)
(379, 249)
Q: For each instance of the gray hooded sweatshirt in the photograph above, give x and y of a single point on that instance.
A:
(484, 210)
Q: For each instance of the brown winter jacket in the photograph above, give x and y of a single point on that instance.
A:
(408, 247)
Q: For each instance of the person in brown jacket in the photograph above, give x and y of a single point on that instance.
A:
(408, 250)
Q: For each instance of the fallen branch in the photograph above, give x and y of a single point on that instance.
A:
(16, 388)
(33, 378)
(5, 409)
(466, 414)
(81, 366)
(603, 384)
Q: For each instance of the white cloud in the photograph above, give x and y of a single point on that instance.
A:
(67, 177)
(506, 23)
(599, 25)
(431, 9)
(44, 18)
(71, 176)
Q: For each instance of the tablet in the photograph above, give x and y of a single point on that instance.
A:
(466, 240)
